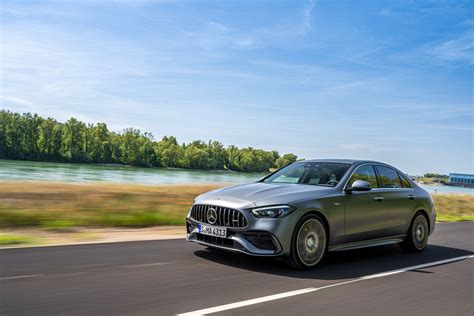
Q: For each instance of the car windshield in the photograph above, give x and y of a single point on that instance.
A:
(313, 173)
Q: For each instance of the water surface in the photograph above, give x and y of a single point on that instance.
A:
(15, 170)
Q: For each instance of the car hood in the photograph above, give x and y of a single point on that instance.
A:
(261, 194)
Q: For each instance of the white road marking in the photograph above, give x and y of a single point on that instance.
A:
(21, 277)
(62, 275)
(144, 265)
(313, 289)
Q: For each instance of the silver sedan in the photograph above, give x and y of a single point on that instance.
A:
(307, 208)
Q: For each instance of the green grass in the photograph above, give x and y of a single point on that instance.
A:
(455, 218)
(11, 239)
(58, 225)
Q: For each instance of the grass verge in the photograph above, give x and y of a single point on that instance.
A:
(454, 207)
(59, 207)
(62, 207)
(11, 239)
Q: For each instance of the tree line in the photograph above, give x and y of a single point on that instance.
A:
(31, 137)
(436, 175)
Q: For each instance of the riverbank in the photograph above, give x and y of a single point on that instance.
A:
(42, 212)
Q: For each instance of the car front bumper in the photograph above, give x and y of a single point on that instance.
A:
(261, 237)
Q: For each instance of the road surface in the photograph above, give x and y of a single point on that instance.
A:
(173, 276)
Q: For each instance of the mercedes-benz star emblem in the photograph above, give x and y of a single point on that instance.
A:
(211, 216)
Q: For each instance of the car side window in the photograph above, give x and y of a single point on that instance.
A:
(405, 182)
(388, 177)
(365, 173)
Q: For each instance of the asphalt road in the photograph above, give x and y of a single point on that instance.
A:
(174, 276)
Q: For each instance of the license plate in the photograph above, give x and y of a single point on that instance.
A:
(213, 231)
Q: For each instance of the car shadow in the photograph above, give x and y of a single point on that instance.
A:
(339, 265)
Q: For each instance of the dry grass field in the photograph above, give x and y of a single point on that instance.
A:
(59, 206)
(454, 207)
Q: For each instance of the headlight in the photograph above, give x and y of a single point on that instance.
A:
(273, 211)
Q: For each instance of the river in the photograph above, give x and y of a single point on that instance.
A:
(15, 170)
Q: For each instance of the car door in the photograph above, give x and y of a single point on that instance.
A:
(399, 199)
(365, 215)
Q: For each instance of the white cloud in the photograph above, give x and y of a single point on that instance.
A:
(308, 15)
(214, 26)
(460, 48)
(245, 42)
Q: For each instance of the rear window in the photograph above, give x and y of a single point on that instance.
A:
(388, 177)
(405, 182)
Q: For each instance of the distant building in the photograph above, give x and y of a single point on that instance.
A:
(461, 180)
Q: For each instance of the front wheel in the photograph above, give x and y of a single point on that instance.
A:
(417, 236)
(309, 243)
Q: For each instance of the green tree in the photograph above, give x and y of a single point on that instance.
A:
(169, 153)
(49, 139)
(29, 136)
(74, 141)
(99, 143)
(285, 160)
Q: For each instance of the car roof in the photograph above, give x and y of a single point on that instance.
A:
(347, 161)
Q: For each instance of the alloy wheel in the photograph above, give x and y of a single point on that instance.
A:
(311, 242)
(420, 232)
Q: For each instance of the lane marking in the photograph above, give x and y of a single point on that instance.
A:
(273, 297)
(21, 277)
(62, 275)
(144, 265)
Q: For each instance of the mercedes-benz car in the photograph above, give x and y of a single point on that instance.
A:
(307, 208)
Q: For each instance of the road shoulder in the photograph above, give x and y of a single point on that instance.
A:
(25, 238)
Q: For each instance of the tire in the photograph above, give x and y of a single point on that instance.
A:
(309, 243)
(417, 236)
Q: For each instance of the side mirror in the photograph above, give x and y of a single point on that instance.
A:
(359, 185)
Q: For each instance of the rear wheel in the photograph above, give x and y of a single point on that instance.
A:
(309, 243)
(417, 236)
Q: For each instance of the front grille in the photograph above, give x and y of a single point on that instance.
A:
(227, 217)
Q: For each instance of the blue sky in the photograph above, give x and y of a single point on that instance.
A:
(384, 80)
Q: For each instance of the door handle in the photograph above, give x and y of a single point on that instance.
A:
(378, 198)
(411, 197)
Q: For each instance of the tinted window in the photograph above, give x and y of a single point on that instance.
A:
(388, 177)
(366, 173)
(315, 173)
(405, 182)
